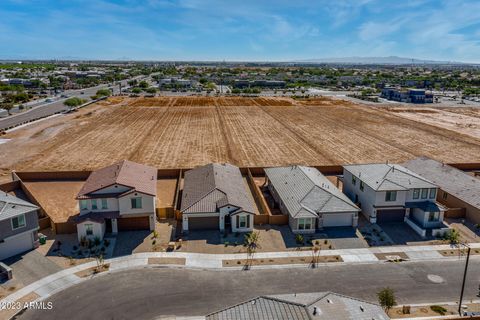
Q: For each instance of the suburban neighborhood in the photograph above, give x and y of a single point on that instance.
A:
(251, 160)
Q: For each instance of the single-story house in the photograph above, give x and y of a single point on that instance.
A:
(215, 196)
(457, 188)
(391, 193)
(18, 225)
(309, 199)
(302, 306)
(115, 198)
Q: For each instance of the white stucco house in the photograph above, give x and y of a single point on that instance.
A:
(115, 198)
(309, 199)
(216, 197)
(392, 193)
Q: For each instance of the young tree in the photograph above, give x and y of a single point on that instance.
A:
(251, 243)
(386, 298)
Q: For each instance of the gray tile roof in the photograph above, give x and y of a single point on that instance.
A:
(212, 186)
(449, 179)
(388, 177)
(306, 192)
(11, 206)
(301, 306)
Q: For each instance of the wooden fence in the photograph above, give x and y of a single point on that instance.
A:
(455, 213)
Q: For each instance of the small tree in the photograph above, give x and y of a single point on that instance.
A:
(315, 256)
(386, 298)
(73, 102)
(251, 243)
(100, 262)
(143, 84)
(103, 93)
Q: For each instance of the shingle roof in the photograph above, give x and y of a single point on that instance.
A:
(388, 177)
(306, 192)
(140, 177)
(11, 206)
(212, 186)
(450, 179)
(301, 306)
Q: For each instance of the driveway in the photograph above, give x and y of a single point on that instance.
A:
(129, 294)
(31, 266)
(345, 238)
(401, 233)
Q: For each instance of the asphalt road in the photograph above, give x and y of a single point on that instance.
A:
(50, 108)
(151, 292)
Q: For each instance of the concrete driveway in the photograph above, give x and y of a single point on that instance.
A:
(401, 233)
(31, 266)
(345, 238)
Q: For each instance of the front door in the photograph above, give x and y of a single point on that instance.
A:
(228, 222)
(108, 225)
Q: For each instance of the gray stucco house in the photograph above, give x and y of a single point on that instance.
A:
(309, 199)
(18, 225)
(391, 193)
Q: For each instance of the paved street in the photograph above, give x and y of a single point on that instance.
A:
(147, 293)
(50, 108)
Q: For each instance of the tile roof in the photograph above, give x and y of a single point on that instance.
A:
(11, 206)
(449, 179)
(140, 177)
(388, 177)
(212, 186)
(97, 216)
(306, 192)
(301, 306)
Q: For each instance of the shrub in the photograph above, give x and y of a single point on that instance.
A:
(106, 243)
(299, 239)
(386, 298)
(96, 241)
(439, 309)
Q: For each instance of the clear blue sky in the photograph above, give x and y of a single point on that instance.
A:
(240, 29)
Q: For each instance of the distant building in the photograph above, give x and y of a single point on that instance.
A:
(259, 83)
(407, 95)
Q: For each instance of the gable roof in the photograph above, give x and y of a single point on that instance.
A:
(301, 306)
(212, 186)
(449, 179)
(388, 177)
(11, 206)
(306, 192)
(137, 176)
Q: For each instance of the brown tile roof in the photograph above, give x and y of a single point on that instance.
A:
(140, 177)
(97, 216)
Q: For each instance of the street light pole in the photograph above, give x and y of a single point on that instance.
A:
(464, 278)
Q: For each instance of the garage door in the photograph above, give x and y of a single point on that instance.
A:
(337, 220)
(203, 223)
(16, 245)
(394, 215)
(137, 223)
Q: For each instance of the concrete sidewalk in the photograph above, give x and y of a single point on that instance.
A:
(66, 278)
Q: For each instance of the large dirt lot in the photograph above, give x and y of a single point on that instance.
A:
(183, 132)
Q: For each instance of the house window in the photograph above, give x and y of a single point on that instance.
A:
(354, 180)
(433, 193)
(304, 224)
(89, 229)
(433, 216)
(83, 205)
(18, 222)
(444, 196)
(416, 193)
(104, 204)
(136, 203)
(424, 193)
(361, 185)
(391, 196)
(242, 221)
(94, 204)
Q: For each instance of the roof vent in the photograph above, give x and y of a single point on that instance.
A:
(254, 301)
(329, 301)
(362, 309)
(315, 311)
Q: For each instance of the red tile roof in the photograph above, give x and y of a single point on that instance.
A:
(140, 177)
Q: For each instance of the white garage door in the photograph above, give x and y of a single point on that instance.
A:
(16, 245)
(337, 220)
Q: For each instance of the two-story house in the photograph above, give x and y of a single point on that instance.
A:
(115, 198)
(392, 193)
(18, 225)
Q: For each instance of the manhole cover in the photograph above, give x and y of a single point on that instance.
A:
(435, 279)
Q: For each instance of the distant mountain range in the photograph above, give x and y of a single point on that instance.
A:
(376, 60)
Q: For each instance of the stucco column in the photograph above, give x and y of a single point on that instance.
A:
(152, 222)
(355, 220)
(185, 223)
(114, 226)
(373, 219)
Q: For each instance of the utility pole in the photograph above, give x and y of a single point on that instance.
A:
(464, 278)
